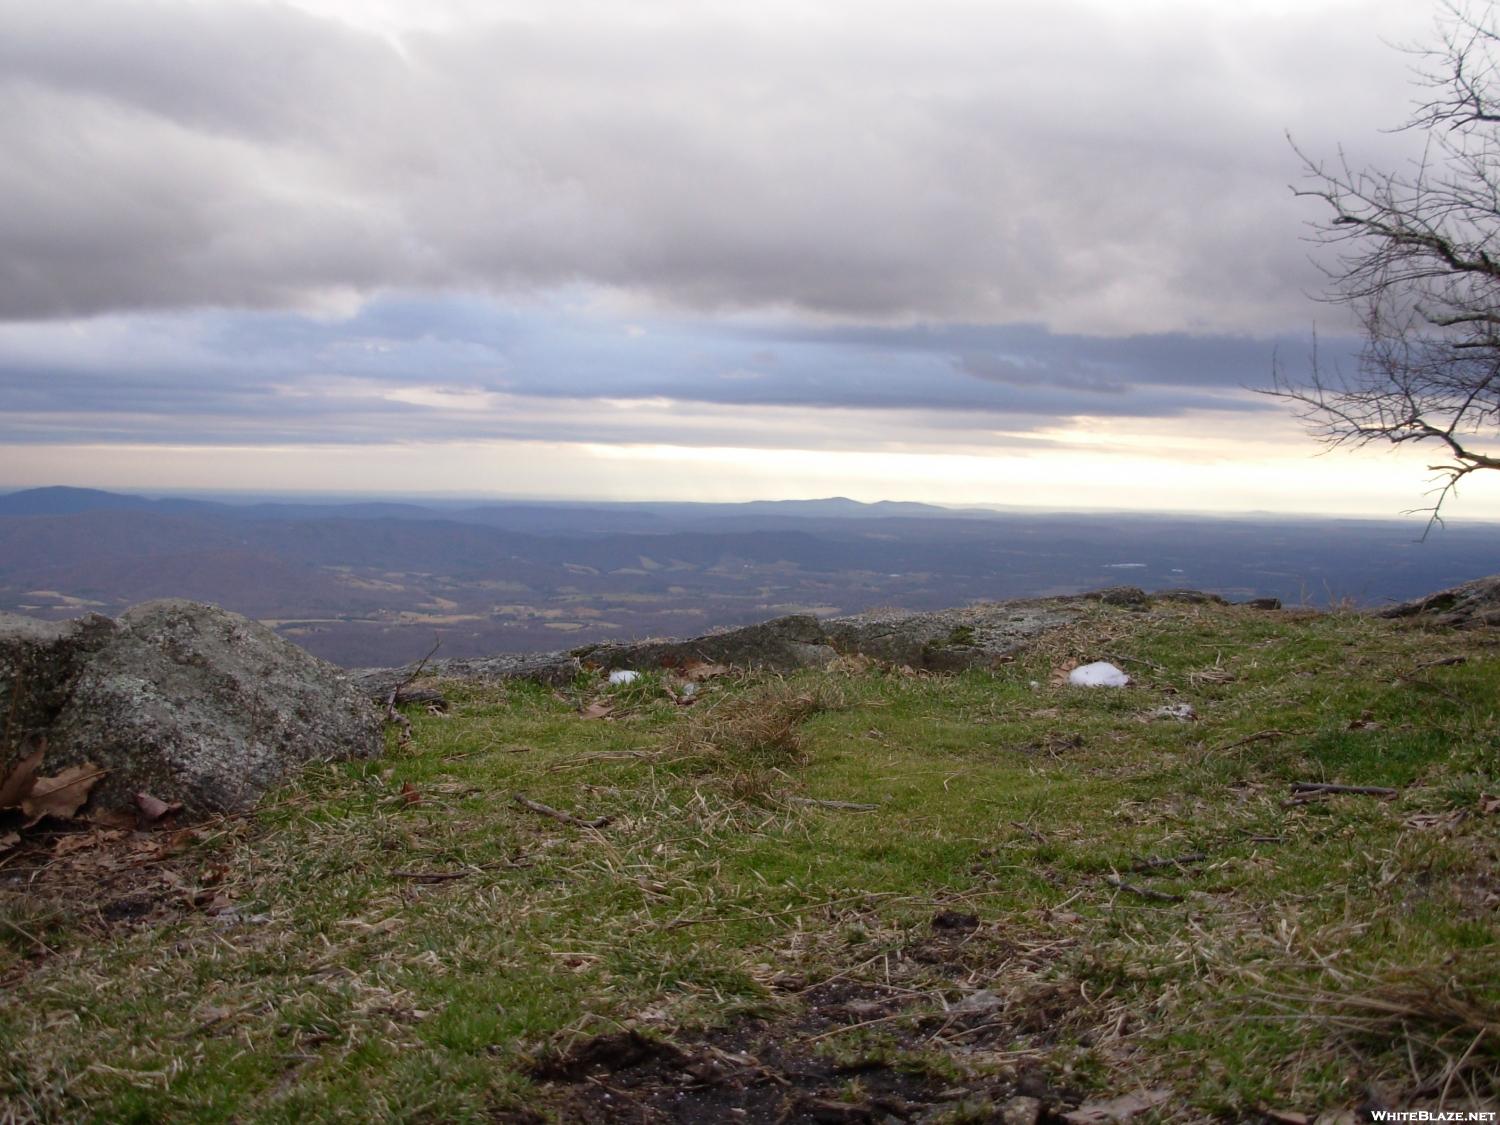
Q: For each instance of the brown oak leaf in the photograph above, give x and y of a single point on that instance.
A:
(18, 782)
(61, 796)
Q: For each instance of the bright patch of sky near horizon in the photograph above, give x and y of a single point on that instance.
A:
(1005, 253)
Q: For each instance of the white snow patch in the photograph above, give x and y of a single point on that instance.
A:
(1101, 673)
(623, 677)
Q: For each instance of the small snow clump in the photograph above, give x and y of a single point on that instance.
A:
(1101, 673)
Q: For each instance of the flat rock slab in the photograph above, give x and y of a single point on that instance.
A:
(191, 704)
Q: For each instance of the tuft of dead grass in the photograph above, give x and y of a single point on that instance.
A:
(749, 741)
(1444, 1022)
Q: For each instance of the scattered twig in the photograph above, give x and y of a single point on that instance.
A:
(600, 756)
(1258, 736)
(852, 806)
(1427, 685)
(433, 699)
(1141, 660)
(866, 896)
(29, 936)
(1153, 863)
(394, 716)
(1362, 790)
(430, 876)
(858, 1026)
(1443, 661)
(1144, 892)
(557, 814)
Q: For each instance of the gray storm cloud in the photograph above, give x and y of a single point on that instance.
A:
(1096, 168)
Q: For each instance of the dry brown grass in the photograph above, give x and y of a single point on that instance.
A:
(749, 741)
(1441, 1019)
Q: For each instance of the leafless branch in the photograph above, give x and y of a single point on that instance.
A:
(1415, 254)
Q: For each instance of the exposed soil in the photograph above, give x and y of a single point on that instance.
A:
(98, 878)
(802, 1068)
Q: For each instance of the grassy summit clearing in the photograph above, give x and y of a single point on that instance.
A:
(1056, 896)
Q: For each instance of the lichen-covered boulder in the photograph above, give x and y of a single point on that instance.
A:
(39, 660)
(191, 703)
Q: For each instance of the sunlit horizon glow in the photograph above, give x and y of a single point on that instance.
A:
(1191, 476)
(574, 250)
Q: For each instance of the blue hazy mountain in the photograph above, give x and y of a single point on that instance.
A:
(370, 581)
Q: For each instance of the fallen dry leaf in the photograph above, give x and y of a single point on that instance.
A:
(410, 794)
(154, 808)
(1060, 673)
(1118, 1109)
(61, 796)
(9, 840)
(112, 818)
(18, 783)
(700, 670)
(1489, 805)
(599, 709)
(1440, 821)
(76, 842)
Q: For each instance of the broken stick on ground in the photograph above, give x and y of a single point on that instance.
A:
(557, 814)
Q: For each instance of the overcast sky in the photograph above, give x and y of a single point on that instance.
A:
(962, 252)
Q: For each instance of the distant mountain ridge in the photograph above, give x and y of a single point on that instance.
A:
(59, 500)
(370, 583)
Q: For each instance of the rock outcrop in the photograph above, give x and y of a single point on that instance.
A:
(976, 636)
(950, 640)
(1467, 606)
(181, 700)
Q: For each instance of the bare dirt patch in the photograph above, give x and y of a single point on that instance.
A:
(801, 1068)
(92, 880)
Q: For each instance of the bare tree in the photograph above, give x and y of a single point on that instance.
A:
(1415, 256)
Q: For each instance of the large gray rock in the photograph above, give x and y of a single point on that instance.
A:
(39, 660)
(192, 703)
